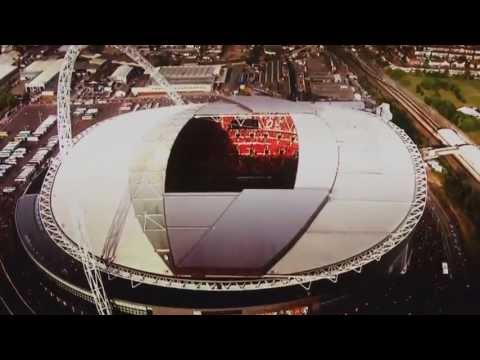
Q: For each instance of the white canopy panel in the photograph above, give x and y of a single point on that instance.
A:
(267, 104)
(97, 171)
(372, 194)
(318, 153)
(353, 155)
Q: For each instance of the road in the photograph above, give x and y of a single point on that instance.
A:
(447, 222)
(6, 307)
(11, 298)
(451, 239)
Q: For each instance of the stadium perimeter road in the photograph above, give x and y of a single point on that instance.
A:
(10, 298)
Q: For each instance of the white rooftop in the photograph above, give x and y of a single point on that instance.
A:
(182, 88)
(121, 73)
(189, 71)
(47, 70)
(469, 111)
(353, 155)
(451, 137)
(9, 57)
(6, 70)
(471, 154)
(40, 65)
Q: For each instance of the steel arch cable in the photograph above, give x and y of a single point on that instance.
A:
(329, 272)
(65, 139)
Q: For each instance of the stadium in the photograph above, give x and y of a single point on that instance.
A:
(246, 205)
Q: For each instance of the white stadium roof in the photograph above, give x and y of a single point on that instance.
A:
(354, 160)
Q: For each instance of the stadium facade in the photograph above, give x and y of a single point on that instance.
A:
(247, 205)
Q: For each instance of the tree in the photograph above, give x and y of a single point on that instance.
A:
(7, 101)
(400, 119)
(397, 74)
(419, 90)
(444, 107)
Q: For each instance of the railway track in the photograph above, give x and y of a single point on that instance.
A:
(422, 115)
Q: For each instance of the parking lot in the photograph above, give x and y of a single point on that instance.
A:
(30, 117)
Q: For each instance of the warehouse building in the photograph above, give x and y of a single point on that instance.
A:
(7, 74)
(41, 74)
(185, 79)
(191, 74)
(122, 74)
(8, 69)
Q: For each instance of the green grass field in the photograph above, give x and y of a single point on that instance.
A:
(475, 136)
(469, 88)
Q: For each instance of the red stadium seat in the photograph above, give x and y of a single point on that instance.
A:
(278, 132)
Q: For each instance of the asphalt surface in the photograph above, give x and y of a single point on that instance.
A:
(451, 237)
(11, 298)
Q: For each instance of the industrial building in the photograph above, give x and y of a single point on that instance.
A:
(90, 66)
(325, 83)
(8, 69)
(190, 74)
(332, 91)
(7, 74)
(41, 74)
(122, 74)
(320, 68)
(185, 79)
(181, 88)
